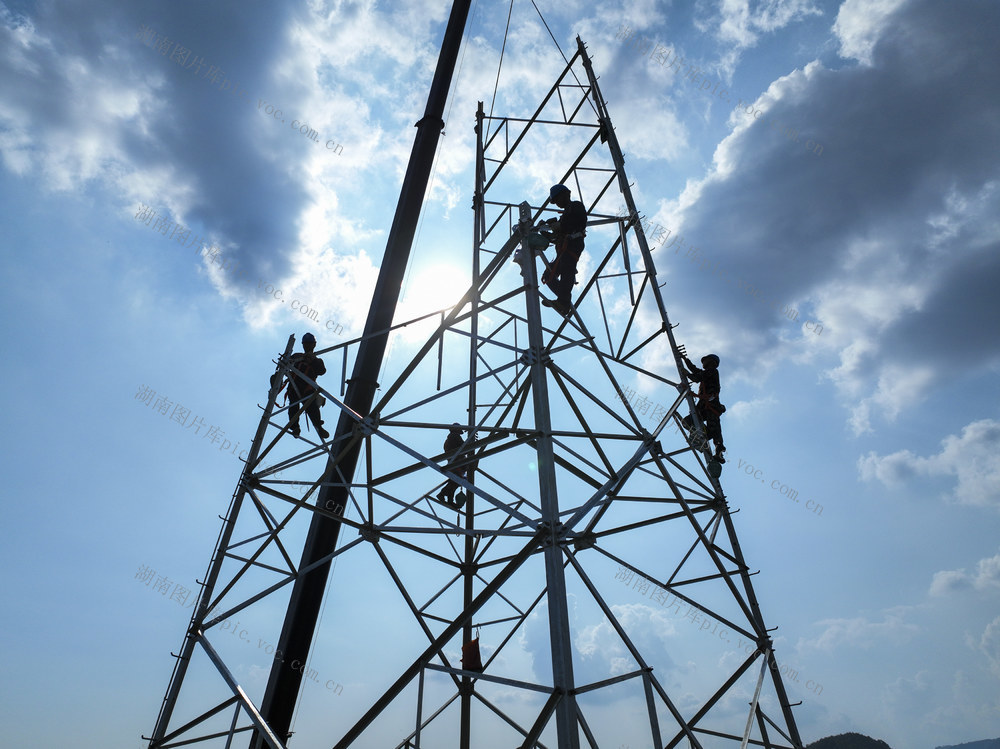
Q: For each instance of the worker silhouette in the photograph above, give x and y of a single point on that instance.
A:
(568, 232)
(452, 449)
(303, 395)
(708, 407)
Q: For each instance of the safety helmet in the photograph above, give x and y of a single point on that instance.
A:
(308, 338)
(710, 358)
(556, 189)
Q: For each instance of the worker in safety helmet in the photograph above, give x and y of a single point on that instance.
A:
(568, 233)
(452, 447)
(708, 406)
(303, 395)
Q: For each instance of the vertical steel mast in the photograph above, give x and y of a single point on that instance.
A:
(469, 550)
(307, 592)
(560, 638)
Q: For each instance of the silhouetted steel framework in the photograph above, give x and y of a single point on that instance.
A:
(570, 488)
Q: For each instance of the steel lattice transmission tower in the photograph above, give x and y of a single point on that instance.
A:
(570, 491)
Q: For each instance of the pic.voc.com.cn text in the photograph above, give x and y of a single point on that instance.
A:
(146, 215)
(642, 405)
(180, 595)
(216, 76)
(181, 415)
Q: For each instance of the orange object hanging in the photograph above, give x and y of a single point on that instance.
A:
(471, 660)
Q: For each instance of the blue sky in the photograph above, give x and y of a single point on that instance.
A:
(878, 224)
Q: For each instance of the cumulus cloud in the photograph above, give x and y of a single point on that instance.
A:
(859, 25)
(600, 640)
(989, 645)
(971, 458)
(745, 410)
(160, 105)
(986, 576)
(859, 632)
(738, 25)
(907, 697)
(948, 581)
(888, 237)
(126, 120)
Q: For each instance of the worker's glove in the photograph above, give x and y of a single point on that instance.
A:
(682, 351)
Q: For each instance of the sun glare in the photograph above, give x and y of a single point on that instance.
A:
(439, 286)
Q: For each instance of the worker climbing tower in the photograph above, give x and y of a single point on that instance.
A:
(499, 619)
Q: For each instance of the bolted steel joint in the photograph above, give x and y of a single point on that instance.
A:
(366, 427)
(552, 535)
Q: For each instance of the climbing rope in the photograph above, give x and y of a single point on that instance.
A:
(500, 64)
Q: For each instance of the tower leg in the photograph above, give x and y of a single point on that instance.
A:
(559, 634)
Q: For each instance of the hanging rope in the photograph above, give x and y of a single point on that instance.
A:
(563, 54)
(461, 63)
(500, 65)
(545, 23)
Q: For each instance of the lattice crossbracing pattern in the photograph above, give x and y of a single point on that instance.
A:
(584, 519)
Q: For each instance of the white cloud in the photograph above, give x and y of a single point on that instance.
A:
(986, 576)
(271, 198)
(860, 23)
(988, 572)
(889, 238)
(81, 135)
(738, 26)
(601, 641)
(892, 470)
(948, 581)
(973, 459)
(989, 645)
(859, 632)
(745, 410)
(907, 697)
(899, 387)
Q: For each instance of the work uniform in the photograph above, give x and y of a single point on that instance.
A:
(708, 406)
(452, 445)
(298, 389)
(568, 238)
